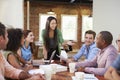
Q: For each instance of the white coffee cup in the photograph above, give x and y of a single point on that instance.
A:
(71, 67)
(48, 73)
(47, 70)
(79, 75)
(54, 68)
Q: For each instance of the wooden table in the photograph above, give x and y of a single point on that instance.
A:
(65, 75)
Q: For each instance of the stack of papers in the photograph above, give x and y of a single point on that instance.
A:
(36, 71)
(87, 77)
(37, 62)
(41, 62)
(59, 67)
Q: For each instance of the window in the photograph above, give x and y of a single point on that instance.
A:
(42, 22)
(69, 27)
(87, 24)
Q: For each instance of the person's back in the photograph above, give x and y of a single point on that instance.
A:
(6, 70)
(7, 53)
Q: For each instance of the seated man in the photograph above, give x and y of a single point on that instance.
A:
(6, 70)
(88, 49)
(113, 73)
(118, 43)
(103, 59)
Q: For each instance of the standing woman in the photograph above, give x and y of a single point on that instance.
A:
(52, 38)
(27, 50)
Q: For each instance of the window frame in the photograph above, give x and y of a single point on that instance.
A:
(76, 26)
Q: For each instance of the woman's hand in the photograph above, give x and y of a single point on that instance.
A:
(81, 69)
(36, 77)
(28, 67)
(70, 43)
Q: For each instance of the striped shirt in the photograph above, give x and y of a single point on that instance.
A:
(6, 70)
(89, 52)
(101, 62)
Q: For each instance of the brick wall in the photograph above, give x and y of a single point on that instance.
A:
(59, 8)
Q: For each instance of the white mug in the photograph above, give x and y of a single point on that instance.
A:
(79, 75)
(72, 67)
(47, 70)
(54, 68)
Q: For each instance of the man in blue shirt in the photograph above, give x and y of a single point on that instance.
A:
(88, 49)
(113, 73)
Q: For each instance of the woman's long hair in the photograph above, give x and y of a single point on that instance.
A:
(25, 33)
(15, 37)
(46, 35)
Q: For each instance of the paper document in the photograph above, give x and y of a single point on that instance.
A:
(61, 68)
(87, 77)
(38, 62)
(36, 71)
(63, 55)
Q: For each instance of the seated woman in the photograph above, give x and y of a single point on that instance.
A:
(27, 47)
(16, 39)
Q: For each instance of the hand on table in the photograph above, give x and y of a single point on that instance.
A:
(70, 43)
(36, 77)
(81, 69)
(28, 67)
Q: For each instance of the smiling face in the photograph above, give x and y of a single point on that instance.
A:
(99, 41)
(53, 24)
(30, 37)
(89, 39)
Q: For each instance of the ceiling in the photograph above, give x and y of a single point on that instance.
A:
(66, 1)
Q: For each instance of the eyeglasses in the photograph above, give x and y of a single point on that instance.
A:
(117, 40)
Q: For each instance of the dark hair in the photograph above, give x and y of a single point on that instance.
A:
(46, 35)
(15, 37)
(91, 32)
(2, 30)
(107, 36)
(25, 33)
